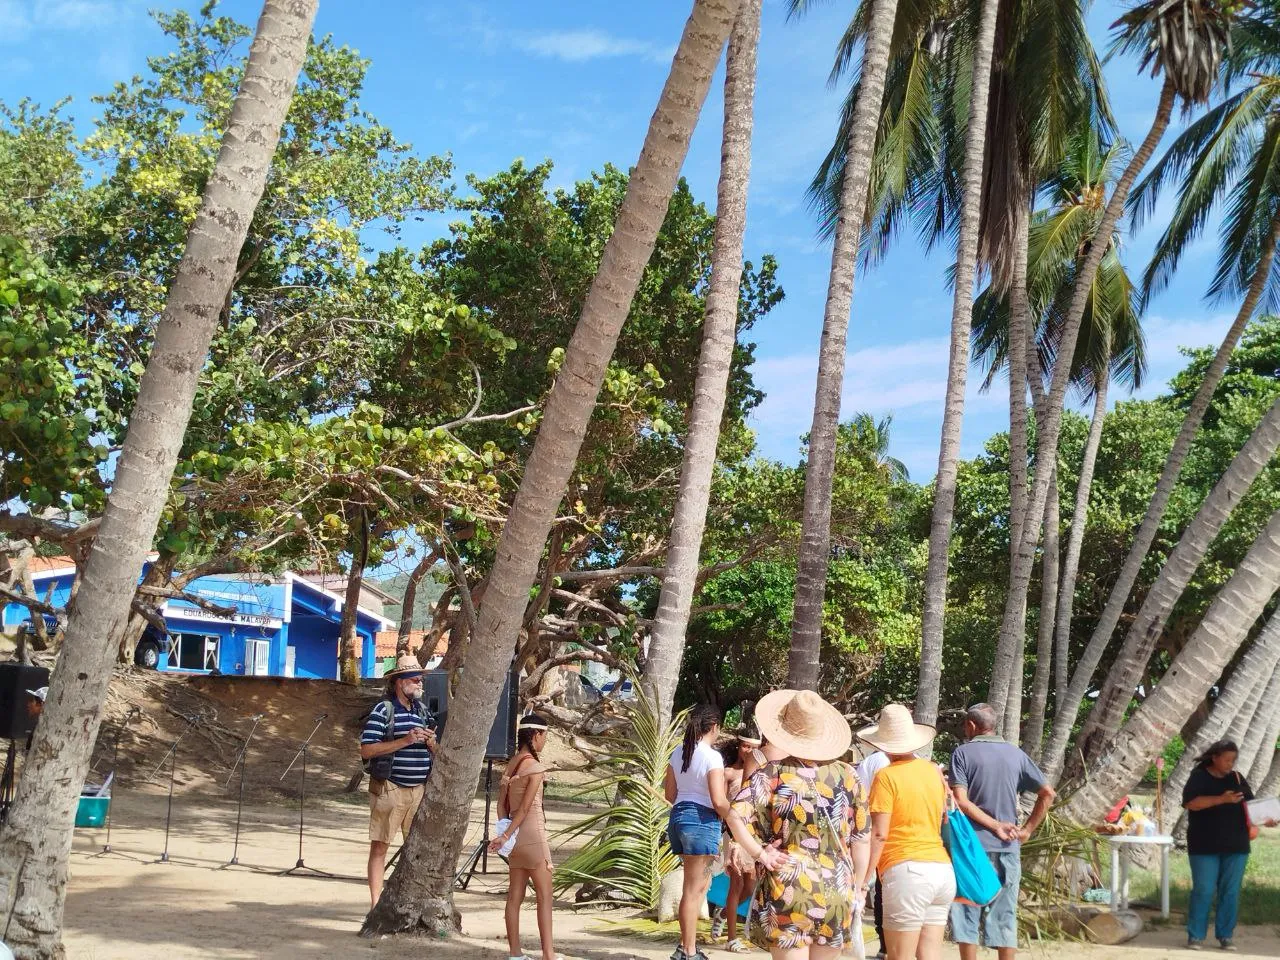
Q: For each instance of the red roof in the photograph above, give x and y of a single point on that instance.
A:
(41, 564)
(385, 642)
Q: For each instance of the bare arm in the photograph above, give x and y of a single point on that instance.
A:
(715, 786)
(1005, 831)
(1044, 800)
(1204, 803)
(879, 834)
(860, 853)
(669, 785)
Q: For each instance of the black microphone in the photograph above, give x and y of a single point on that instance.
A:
(321, 717)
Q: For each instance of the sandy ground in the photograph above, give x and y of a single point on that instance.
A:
(126, 905)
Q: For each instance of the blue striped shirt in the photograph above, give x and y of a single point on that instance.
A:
(409, 765)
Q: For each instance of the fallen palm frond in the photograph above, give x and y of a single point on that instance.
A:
(1056, 864)
(628, 853)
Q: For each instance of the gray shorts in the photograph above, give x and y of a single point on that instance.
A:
(999, 918)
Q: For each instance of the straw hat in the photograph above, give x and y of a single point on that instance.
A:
(803, 724)
(406, 668)
(896, 733)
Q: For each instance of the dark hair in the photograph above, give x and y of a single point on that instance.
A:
(1216, 749)
(701, 720)
(729, 751)
(525, 735)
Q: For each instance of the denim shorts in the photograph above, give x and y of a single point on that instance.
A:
(1000, 922)
(694, 830)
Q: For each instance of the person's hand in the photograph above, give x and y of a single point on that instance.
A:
(496, 843)
(1007, 832)
(1273, 822)
(1023, 834)
(773, 859)
(416, 735)
(1233, 796)
(430, 739)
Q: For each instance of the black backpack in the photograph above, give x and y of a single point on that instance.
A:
(379, 768)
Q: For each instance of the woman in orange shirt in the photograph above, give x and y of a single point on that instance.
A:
(908, 803)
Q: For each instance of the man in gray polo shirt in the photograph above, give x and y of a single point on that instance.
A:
(987, 775)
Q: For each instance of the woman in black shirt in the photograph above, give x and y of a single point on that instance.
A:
(1218, 834)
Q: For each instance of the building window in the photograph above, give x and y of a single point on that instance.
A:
(193, 651)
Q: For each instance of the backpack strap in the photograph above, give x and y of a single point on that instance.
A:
(389, 733)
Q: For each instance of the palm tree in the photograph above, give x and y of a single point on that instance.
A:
(1267, 746)
(1184, 40)
(815, 536)
(1147, 626)
(666, 642)
(36, 840)
(872, 436)
(1197, 667)
(1253, 739)
(419, 893)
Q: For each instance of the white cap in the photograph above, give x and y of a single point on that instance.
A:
(39, 693)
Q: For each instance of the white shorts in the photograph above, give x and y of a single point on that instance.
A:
(917, 894)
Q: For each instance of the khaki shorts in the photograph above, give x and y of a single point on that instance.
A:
(917, 894)
(391, 811)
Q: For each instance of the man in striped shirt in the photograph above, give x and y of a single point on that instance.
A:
(397, 743)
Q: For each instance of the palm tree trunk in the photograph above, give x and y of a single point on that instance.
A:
(719, 336)
(1075, 542)
(36, 840)
(815, 533)
(1146, 534)
(419, 894)
(1013, 627)
(1020, 339)
(1226, 623)
(1246, 684)
(1270, 785)
(1164, 593)
(944, 485)
(1260, 725)
(1033, 729)
(1262, 761)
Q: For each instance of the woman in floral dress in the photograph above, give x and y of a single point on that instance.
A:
(804, 819)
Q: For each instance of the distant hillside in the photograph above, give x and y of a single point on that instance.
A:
(429, 591)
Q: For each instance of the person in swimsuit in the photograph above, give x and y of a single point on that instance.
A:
(804, 819)
(520, 799)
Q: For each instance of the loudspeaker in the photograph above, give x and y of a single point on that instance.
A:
(502, 734)
(18, 709)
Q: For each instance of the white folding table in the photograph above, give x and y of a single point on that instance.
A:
(1120, 869)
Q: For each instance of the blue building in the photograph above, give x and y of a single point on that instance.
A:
(285, 626)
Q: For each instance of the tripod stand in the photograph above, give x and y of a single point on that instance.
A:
(242, 762)
(172, 757)
(479, 855)
(302, 802)
(111, 778)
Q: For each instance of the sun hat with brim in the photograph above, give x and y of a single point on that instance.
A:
(406, 668)
(803, 724)
(897, 733)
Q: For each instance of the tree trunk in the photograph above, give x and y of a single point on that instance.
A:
(419, 894)
(1146, 534)
(1021, 338)
(409, 602)
(1270, 785)
(1246, 683)
(1013, 627)
(1233, 611)
(1033, 730)
(1262, 760)
(944, 485)
(1164, 593)
(719, 336)
(1075, 542)
(348, 666)
(36, 840)
(815, 536)
(1253, 740)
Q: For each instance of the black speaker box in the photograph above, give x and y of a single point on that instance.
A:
(17, 716)
(502, 734)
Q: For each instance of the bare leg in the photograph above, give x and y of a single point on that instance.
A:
(794, 953)
(1005, 953)
(969, 951)
(930, 946)
(515, 897)
(542, 889)
(819, 952)
(377, 867)
(739, 889)
(697, 877)
(902, 944)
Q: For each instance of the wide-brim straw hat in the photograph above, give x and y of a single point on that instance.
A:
(803, 724)
(896, 732)
(406, 668)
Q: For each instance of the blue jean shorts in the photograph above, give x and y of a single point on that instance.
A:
(694, 830)
(999, 918)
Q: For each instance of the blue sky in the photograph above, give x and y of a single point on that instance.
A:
(576, 82)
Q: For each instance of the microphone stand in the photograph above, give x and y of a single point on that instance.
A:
(173, 767)
(241, 762)
(115, 760)
(302, 802)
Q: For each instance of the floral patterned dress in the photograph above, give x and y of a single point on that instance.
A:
(816, 811)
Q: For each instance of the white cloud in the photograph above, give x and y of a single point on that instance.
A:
(20, 18)
(1166, 336)
(577, 46)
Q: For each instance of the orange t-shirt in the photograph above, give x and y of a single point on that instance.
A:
(911, 792)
